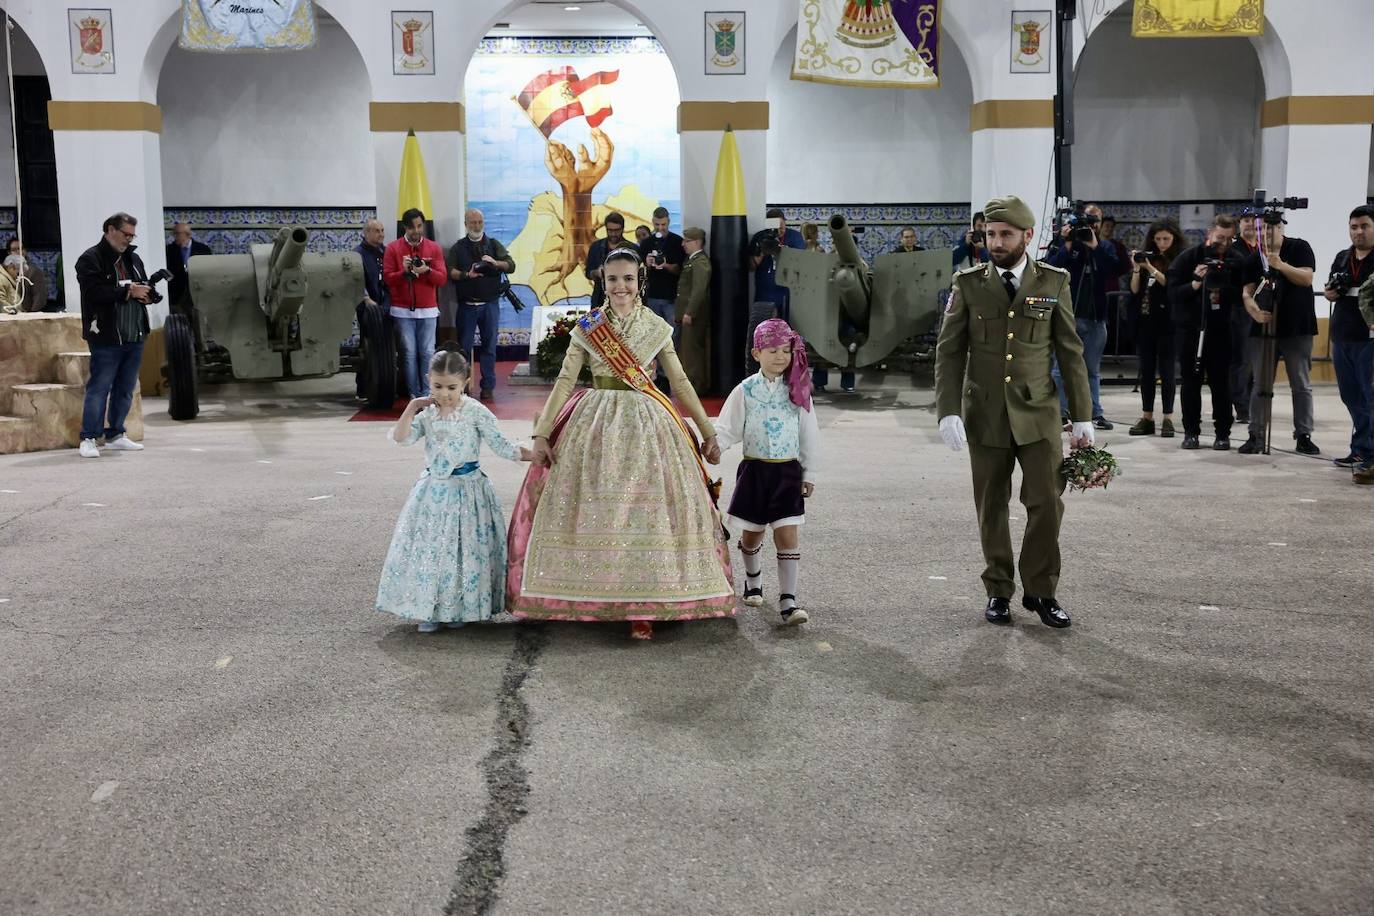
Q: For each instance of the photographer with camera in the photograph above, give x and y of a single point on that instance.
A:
(1154, 337)
(115, 295)
(770, 299)
(663, 256)
(1352, 341)
(478, 263)
(1204, 289)
(1092, 266)
(413, 270)
(972, 250)
(596, 256)
(1285, 311)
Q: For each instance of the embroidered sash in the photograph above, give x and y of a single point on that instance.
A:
(597, 331)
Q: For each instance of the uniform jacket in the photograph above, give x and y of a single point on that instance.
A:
(992, 364)
(694, 289)
(101, 292)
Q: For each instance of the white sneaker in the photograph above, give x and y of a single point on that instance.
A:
(89, 449)
(124, 444)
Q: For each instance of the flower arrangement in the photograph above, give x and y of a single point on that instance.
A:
(1087, 468)
(553, 348)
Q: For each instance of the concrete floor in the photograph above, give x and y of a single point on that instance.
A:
(202, 714)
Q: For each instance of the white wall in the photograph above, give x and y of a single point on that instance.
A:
(267, 129)
(1166, 119)
(26, 63)
(837, 144)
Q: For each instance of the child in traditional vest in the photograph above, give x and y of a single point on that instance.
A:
(771, 413)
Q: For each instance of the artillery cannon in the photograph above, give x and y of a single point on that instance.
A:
(854, 316)
(277, 312)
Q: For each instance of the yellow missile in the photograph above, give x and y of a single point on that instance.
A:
(413, 190)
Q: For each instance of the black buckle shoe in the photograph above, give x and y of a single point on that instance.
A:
(1051, 614)
(998, 610)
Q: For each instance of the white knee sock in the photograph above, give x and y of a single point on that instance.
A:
(788, 565)
(753, 566)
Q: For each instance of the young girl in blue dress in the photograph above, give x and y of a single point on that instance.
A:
(447, 562)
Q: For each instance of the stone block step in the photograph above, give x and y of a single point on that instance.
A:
(72, 368)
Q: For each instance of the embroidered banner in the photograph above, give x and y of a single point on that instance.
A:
(891, 43)
(1197, 18)
(247, 25)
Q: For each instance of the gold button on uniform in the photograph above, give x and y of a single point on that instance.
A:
(1010, 335)
(1008, 357)
(1011, 314)
(1007, 379)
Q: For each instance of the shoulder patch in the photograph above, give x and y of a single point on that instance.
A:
(966, 271)
(1050, 267)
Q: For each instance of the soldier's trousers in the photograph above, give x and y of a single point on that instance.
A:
(691, 350)
(1041, 492)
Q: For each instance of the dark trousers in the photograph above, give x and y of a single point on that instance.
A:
(1155, 353)
(1354, 365)
(1216, 369)
(1041, 493)
(1242, 379)
(483, 317)
(110, 392)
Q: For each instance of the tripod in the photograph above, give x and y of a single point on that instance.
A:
(1268, 368)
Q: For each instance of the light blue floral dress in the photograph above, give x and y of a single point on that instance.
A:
(447, 561)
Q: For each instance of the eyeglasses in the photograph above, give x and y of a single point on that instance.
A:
(128, 236)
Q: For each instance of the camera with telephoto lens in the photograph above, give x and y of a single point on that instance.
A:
(1340, 282)
(152, 281)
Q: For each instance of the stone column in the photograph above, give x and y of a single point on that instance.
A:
(1013, 150)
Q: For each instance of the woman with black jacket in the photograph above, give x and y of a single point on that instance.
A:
(1155, 332)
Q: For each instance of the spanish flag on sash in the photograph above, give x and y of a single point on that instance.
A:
(1197, 18)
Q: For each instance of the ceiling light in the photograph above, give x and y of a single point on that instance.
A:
(571, 9)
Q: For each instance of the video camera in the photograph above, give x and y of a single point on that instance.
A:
(1340, 282)
(765, 242)
(1083, 225)
(1144, 257)
(1271, 211)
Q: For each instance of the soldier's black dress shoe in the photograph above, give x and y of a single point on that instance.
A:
(999, 610)
(1190, 441)
(1221, 444)
(1051, 614)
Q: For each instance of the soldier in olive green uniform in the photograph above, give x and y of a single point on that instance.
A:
(1005, 323)
(692, 310)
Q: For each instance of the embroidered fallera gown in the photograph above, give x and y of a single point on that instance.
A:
(447, 561)
(622, 527)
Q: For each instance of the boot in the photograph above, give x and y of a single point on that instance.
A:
(1143, 427)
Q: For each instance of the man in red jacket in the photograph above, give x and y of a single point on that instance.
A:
(413, 270)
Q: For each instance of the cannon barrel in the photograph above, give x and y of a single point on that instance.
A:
(286, 280)
(851, 276)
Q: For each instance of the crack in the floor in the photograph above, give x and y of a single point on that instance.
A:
(478, 878)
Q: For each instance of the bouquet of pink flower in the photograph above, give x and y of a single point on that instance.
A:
(1087, 468)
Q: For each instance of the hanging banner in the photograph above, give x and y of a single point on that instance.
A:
(1197, 18)
(891, 43)
(247, 25)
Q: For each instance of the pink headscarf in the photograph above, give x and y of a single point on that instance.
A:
(777, 333)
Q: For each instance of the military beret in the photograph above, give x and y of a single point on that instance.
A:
(695, 233)
(1011, 210)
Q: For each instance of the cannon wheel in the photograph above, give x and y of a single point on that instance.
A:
(182, 400)
(379, 357)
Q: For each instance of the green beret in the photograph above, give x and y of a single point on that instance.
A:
(1011, 210)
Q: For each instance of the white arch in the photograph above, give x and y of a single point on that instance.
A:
(28, 37)
(634, 8)
(1275, 66)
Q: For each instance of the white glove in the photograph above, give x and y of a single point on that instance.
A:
(952, 431)
(1082, 431)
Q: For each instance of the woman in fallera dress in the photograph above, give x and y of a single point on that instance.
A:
(616, 520)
